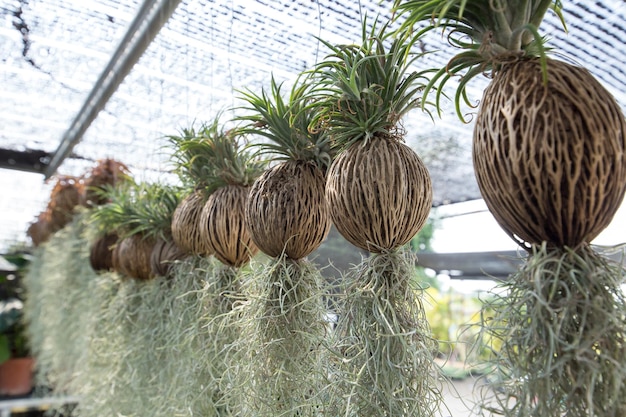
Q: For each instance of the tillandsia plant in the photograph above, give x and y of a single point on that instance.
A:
(106, 172)
(549, 152)
(153, 220)
(140, 215)
(379, 193)
(283, 323)
(190, 157)
(233, 171)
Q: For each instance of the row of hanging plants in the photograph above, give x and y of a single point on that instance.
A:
(549, 152)
(185, 300)
(205, 302)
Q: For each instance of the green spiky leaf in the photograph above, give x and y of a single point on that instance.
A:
(489, 32)
(145, 208)
(364, 90)
(211, 157)
(285, 124)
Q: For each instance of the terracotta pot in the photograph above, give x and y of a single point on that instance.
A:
(16, 376)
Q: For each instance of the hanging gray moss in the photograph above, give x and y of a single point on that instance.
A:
(58, 308)
(275, 368)
(382, 361)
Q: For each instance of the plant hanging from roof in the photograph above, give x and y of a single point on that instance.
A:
(283, 323)
(233, 170)
(549, 151)
(140, 214)
(380, 195)
(191, 158)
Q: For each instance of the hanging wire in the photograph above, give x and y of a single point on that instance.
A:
(230, 37)
(319, 30)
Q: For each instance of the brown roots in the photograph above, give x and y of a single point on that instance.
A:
(223, 226)
(287, 211)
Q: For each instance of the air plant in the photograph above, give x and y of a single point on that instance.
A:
(191, 159)
(223, 231)
(380, 195)
(283, 321)
(106, 173)
(549, 151)
(140, 214)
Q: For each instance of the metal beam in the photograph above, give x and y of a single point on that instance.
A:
(28, 160)
(149, 20)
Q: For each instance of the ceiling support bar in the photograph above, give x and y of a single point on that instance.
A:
(149, 20)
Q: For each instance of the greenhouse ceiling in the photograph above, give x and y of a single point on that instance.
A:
(84, 80)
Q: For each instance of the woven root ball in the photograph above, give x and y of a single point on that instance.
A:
(105, 172)
(286, 210)
(224, 228)
(186, 225)
(101, 252)
(67, 193)
(379, 194)
(164, 254)
(550, 161)
(39, 231)
(131, 257)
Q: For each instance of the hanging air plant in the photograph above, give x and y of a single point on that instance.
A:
(141, 215)
(228, 172)
(549, 153)
(191, 157)
(283, 323)
(65, 196)
(39, 230)
(101, 252)
(106, 172)
(380, 195)
(233, 171)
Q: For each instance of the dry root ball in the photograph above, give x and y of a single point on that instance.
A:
(550, 160)
(224, 228)
(106, 172)
(132, 257)
(66, 194)
(379, 194)
(101, 252)
(39, 230)
(164, 254)
(287, 211)
(186, 225)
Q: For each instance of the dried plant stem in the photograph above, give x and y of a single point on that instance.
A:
(562, 322)
(384, 350)
(275, 369)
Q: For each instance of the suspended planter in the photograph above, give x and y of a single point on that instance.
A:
(227, 172)
(549, 151)
(141, 216)
(101, 252)
(284, 322)
(106, 172)
(192, 160)
(65, 196)
(223, 227)
(379, 194)
(39, 230)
